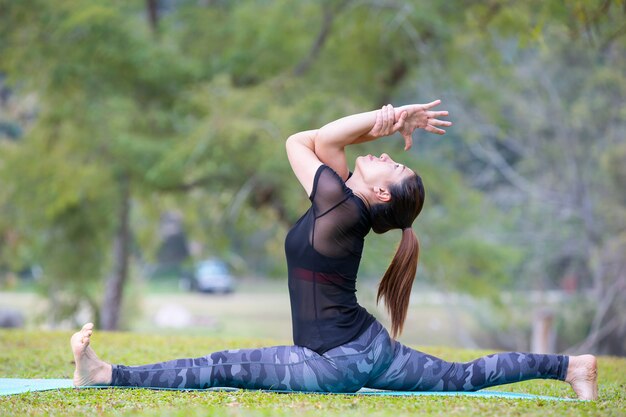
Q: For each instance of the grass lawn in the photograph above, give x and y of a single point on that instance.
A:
(30, 354)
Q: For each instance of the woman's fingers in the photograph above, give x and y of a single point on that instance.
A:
(433, 129)
(378, 124)
(384, 120)
(437, 122)
(431, 104)
(390, 117)
(408, 141)
(400, 123)
(433, 114)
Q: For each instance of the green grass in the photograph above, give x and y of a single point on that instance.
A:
(30, 354)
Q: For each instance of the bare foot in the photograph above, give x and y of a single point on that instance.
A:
(90, 370)
(582, 375)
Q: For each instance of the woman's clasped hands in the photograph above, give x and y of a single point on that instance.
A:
(406, 119)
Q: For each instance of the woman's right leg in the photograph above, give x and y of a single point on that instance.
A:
(412, 370)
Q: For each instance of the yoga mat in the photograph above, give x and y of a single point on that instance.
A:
(10, 386)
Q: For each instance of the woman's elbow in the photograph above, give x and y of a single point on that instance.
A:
(291, 142)
(305, 138)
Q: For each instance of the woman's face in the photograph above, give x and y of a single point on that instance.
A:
(381, 171)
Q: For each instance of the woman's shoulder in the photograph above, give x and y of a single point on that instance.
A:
(328, 182)
(330, 192)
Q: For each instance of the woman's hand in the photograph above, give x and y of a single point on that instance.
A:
(386, 123)
(419, 116)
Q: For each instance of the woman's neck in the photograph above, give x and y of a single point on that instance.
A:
(360, 189)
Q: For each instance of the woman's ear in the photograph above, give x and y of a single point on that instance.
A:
(382, 194)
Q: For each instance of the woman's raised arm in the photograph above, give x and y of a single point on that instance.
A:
(309, 149)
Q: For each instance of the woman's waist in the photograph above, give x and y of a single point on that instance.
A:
(345, 277)
(322, 335)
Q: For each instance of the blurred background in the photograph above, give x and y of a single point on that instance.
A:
(144, 183)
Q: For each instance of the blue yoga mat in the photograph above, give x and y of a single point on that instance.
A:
(10, 386)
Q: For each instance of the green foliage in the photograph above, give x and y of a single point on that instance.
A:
(104, 112)
(526, 188)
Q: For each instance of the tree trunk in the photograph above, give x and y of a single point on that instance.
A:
(152, 8)
(112, 302)
(543, 336)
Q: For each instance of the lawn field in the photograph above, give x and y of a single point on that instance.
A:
(36, 354)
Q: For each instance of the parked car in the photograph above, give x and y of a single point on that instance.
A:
(213, 275)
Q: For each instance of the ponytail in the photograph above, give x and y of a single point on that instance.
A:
(395, 286)
(407, 199)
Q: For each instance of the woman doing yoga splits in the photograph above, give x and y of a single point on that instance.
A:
(339, 346)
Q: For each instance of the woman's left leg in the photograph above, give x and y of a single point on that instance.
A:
(412, 370)
(292, 368)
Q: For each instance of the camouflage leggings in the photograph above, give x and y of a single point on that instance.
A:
(372, 360)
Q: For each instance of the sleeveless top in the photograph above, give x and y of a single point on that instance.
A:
(323, 252)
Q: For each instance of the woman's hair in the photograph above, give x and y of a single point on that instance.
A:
(407, 199)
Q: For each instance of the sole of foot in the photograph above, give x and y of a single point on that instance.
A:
(90, 370)
(582, 375)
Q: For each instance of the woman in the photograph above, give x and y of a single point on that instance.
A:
(339, 346)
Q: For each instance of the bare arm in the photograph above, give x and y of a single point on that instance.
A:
(309, 149)
(301, 153)
(332, 138)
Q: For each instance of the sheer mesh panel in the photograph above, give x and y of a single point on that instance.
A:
(336, 215)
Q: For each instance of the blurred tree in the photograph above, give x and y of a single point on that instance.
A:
(544, 110)
(106, 117)
(124, 116)
(131, 125)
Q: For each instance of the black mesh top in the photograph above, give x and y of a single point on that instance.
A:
(323, 253)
